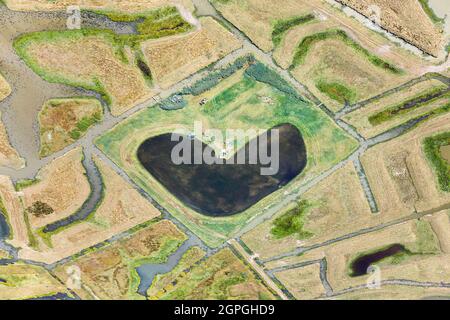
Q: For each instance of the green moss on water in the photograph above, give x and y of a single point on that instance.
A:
(292, 222)
(307, 43)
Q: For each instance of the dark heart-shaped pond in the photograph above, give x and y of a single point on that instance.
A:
(224, 189)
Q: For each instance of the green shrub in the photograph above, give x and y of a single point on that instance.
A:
(281, 26)
(292, 222)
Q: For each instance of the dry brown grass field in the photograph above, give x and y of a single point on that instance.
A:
(122, 5)
(360, 118)
(109, 273)
(338, 201)
(405, 19)
(63, 121)
(5, 89)
(121, 209)
(222, 276)
(24, 281)
(400, 175)
(8, 155)
(14, 213)
(303, 283)
(175, 58)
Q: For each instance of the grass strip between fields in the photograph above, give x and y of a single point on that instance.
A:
(307, 43)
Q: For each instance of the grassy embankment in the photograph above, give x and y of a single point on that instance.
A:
(244, 95)
(426, 244)
(409, 105)
(335, 90)
(150, 25)
(280, 27)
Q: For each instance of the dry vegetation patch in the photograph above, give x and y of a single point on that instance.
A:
(394, 292)
(331, 68)
(174, 59)
(255, 17)
(440, 223)
(122, 5)
(420, 261)
(46, 200)
(5, 89)
(63, 121)
(109, 273)
(13, 209)
(406, 19)
(21, 281)
(339, 74)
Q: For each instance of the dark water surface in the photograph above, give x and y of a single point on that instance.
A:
(359, 266)
(223, 190)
